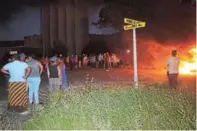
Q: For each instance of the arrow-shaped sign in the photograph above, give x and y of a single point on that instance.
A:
(132, 26)
(131, 21)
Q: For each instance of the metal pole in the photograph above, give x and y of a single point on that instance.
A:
(135, 59)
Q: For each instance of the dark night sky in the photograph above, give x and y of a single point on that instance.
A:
(17, 25)
(10, 7)
(166, 19)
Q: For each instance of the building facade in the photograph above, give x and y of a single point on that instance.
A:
(65, 23)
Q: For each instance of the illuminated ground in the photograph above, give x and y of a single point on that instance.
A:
(146, 76)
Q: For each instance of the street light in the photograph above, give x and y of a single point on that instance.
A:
(128, 51)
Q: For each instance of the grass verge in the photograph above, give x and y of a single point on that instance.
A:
(122, 109)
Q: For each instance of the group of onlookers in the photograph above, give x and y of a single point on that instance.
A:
(24, 77)
(105, 61)
(24, 74)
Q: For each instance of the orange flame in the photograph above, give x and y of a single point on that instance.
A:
(189, 66)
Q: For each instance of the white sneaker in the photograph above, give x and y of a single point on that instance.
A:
(24, 113)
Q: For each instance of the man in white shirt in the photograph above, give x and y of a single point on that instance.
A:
(173, 69)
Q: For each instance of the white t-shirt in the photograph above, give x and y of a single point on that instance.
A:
(173, 65)
(17, 71)
(100, 57)
(93, 59)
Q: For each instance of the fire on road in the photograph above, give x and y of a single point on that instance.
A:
(189, 64)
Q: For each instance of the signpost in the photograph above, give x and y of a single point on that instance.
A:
(133, 24)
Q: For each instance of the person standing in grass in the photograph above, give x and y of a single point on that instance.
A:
(67, 61)
(80, 61)
(108, 61)
(34, 79)
(85, 61)
(17, 89)
(54, 74)
(72, 62)
(76, 61)
(104, 60)
(62, 66)
(97, 61)
(173, 69)
(100, 59)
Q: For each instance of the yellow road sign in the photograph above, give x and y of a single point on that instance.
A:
(132, 26)
(131, 21)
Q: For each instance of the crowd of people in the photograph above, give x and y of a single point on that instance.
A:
(23, 73)
(105, 61)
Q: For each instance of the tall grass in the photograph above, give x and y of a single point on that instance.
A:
(155, 109)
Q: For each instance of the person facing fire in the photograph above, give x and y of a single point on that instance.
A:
(173, 69)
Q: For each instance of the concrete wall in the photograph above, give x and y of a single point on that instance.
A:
(53, 18)
(45, 28)
(81, 25)
(66, 23)
(70, 24)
